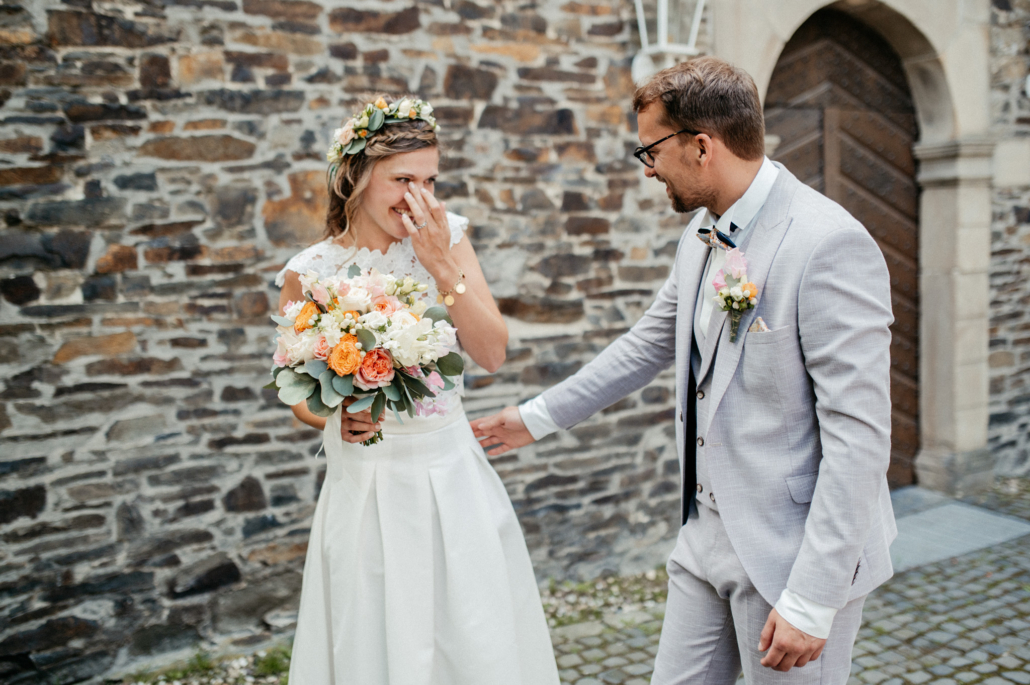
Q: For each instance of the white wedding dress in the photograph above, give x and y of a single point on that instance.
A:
(417, 572)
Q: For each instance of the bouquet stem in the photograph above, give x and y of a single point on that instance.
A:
(374, 439)
(735, 316)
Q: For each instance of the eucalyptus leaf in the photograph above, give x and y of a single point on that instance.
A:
(378, 404)
(395, 120)
(295, 391)
(286, 377)
(330, 397)
(270, 385)
(355, 146)
(451, 364)
(353, 271)
(375, 122)
(397, 414)
(448, 384)
(282, 321)
(367, 340)
(392, 392)
(317, 407)
(409, 404)
(361, 405)
(315, 368)
(438, 313)
(276, 370)
(343, 385)
(418, 387)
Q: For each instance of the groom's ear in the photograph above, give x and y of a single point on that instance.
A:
(703, 148)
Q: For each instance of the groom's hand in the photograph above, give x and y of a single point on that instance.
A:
(504, 431)
(788, 647)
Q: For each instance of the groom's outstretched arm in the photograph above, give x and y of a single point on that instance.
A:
(628, 364)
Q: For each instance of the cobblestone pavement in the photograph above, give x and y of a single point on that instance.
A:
(962, 621)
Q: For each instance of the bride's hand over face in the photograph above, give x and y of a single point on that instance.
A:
(432, 242)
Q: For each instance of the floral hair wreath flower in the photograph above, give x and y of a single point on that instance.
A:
(351, 138)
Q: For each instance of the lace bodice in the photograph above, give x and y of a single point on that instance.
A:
(327, 259)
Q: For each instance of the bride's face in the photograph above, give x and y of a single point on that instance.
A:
(383, 201)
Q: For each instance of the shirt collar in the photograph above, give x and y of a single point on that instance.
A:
(743, 211)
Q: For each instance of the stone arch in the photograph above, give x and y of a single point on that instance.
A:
(944, 49)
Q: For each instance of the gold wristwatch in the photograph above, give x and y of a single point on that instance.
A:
(459, 287)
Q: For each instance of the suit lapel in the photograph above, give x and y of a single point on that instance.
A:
(760, 251)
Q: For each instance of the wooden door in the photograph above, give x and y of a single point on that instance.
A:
(840, 103)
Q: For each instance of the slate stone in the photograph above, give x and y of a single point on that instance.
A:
(86, 111)
(141, 464)
(154, 71)
(205, 575)
(163, 544)
(80, 668)
(466, 83)
(69, 28)
(83, 522)
(344, 51)
(19, 290)
(541, 310)
(23, 467)
(166, 637)
(233, 205)
(68, 138)
(139, 181)
(349, 20)
(526, 120)
(88, 212)
(189, 474)
(100, 288)
(24, 502)
(255, 101)
(54, 633)
(247, 496)
(20, 385)
(259, 524)
(564, 265)
(241, 609)
(214, 148)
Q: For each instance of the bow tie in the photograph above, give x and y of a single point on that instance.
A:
(717, 239)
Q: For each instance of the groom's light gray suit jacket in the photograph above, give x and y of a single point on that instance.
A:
(797, 437)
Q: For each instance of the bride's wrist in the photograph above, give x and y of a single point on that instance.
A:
(446, 275)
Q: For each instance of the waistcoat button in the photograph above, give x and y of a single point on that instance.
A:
(700, 488)
(700, 394)
(700, 442)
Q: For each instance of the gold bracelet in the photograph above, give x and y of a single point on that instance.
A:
(459, 287)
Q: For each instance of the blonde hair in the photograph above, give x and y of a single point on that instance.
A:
(349, 180)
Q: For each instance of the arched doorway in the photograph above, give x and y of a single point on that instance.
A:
(841, 105)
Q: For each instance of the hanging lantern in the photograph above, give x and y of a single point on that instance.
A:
(664, 52)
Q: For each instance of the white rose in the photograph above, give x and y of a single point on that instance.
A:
(373, 320)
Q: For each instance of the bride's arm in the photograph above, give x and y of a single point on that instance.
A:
(292, 292)
(481, 329)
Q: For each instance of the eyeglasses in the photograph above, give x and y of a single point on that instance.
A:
(644, 153)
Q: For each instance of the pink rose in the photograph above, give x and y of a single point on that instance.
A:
(321, 348)
(736, 263)
(280, 358)
(387, 305)
(376, 370)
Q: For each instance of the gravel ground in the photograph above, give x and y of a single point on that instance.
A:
(964, 621)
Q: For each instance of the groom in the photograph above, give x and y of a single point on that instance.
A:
(783, 432)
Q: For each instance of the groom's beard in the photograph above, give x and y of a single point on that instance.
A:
(684, 203)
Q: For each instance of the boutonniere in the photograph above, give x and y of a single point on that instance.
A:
(734, 293)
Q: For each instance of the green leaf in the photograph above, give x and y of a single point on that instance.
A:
(731, 282)
(270, 385)
(396, 120)
(317, 407)
(378, 404)
(355, 146)
(282, 321)
(315, 368)
(294, 387)
(448, 384)
(417, 387)
(392, 392)
(361, 405)
(409, 404)
(397, 414)
(344, 385)
(353, 271)
(367, 340)
(451, 364)
(438, 313)
(375, 122)
(276, 370)
(330, 397)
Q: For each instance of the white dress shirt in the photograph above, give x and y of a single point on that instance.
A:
(804, 614)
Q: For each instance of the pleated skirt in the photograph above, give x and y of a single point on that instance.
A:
(417, 572)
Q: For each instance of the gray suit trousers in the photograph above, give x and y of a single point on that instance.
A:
(714, 619)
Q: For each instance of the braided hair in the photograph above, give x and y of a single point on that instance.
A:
(352, 176)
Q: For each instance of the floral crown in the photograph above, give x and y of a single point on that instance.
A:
(351, 138)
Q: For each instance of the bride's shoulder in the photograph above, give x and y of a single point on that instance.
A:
(323, 258)
(458, 225)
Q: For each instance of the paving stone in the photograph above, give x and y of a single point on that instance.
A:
(1021, 677)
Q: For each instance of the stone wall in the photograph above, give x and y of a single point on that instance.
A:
(1009, 431)
(159, 163)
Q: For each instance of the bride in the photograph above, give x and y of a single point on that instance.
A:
(416, 572)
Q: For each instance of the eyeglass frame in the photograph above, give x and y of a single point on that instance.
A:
(641, 151)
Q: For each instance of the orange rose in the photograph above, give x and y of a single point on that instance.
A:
(750, 289)
(301, 324)
(345, 358)
(376, 370)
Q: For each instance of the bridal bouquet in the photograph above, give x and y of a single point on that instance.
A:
(369, 336)
(734, 293)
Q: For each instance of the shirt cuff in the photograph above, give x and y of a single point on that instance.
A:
(537, 418)
(806, 615)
